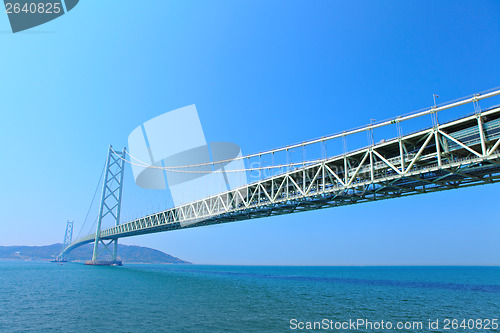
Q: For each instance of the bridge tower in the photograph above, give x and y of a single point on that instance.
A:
(110, 206)
(68, 237)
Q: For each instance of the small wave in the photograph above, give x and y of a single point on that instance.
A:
(357, 281)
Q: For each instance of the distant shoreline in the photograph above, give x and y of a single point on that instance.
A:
(126, 253)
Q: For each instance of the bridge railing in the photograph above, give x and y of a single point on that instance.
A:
(463, 152)
(371, 175)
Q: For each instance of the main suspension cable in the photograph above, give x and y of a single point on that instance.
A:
(408, 116)
(92, 202)
(175, 169)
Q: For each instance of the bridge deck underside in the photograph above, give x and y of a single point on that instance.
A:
(458, 154)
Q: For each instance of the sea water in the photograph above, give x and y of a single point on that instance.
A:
(71, 297)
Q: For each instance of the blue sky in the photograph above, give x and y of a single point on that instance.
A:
(262, 74)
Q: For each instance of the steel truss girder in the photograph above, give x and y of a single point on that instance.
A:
(419, 163)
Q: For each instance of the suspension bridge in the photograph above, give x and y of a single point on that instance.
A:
(460, 153)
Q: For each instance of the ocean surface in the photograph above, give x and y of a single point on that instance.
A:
(70, 297)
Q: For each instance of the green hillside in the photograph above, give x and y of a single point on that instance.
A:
(127, 253)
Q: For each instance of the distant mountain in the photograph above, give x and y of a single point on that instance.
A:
(127, 253)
